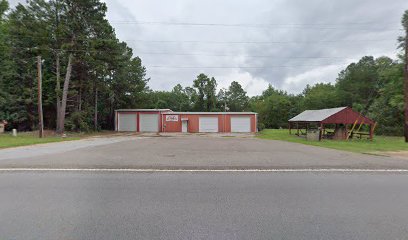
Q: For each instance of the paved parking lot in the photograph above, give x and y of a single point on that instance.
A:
(189, 152)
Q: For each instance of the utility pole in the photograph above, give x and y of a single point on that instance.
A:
(40, 112)
(406, 87)
(405, 44)
(225, 99)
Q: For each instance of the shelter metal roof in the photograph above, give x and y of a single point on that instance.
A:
(316, 115)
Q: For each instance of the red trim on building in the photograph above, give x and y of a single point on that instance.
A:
(224, 120)
(138, 121)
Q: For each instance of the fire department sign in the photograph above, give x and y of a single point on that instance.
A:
(172, 118)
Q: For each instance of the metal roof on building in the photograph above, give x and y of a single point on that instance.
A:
(212, 113)
(143, 110)
(169, 111)
(316, 115)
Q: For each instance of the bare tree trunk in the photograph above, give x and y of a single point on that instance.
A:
(112, 112)
(80, 95)
(406, 87)
(96, 110)
(57, 92)
(65, 95)
(58, 69)
(40, 110)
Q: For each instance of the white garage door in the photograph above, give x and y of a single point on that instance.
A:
(149, 122)
(208, 124)
(127, 122)
(241, 124)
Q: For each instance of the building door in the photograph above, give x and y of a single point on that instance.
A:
(184, 126)
(149, 122)
(240, 124)
(208, 124)
(127, 122)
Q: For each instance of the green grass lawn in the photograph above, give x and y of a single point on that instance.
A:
(379, 143)
(30, 138)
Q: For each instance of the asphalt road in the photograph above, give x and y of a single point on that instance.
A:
(49, 205)
(189, 152)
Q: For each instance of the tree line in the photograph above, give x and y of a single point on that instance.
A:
(83, 61)
(88, 73)
(372, 86)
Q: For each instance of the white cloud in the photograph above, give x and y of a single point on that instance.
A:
(296, 83)
(252, 85)
(338, 31)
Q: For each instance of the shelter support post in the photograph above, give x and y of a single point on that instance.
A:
(352, 129)
(346, 131)
(375, 125)
(321, 131)
(371, 132)
(297, 126)
(290, 128)
(361, 124)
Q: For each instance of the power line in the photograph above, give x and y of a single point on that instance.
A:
(344, 25)
(187, 54)
(193, 23)
(243, 67)
(350, 27)
(258, 42)
(211, 41)
(249, 56)
(251, 24)
(255, 25)
(234, 67)
(235, 55)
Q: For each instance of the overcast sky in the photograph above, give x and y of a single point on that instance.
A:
(286, 43)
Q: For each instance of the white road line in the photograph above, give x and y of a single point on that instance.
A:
(196, 170)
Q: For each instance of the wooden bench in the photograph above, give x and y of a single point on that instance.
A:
(360, 134)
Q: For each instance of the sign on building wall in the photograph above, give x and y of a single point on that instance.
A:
(172, 118)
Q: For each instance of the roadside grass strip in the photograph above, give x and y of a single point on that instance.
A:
(379, 145)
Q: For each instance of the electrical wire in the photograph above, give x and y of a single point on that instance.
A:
(184, 54)
(257, 25)
(16, 36)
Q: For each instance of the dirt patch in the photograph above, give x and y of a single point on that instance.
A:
(399, 154)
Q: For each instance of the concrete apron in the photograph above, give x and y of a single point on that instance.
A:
(217, 135)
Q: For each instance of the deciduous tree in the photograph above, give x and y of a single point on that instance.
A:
(237, 100)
